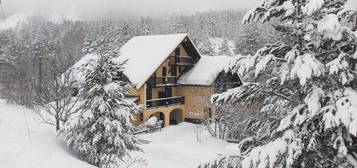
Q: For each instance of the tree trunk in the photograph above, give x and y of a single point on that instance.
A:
(57, 122)
(224, 130)
(57, 117)
(215, 127)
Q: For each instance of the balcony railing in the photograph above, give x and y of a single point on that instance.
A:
(165, 102)
(180, 61)
(164, 81)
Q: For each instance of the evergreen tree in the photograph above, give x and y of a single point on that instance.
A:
(249, 40)
(204, 46)
(102, 134)
(224, 49)
(305, 84)
(145, 25)
(87, 46)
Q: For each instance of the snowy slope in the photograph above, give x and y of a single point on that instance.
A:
(38, 149)
(173, 147)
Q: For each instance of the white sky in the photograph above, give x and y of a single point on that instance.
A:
(92, 9)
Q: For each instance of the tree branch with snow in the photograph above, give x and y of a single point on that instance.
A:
(312, 74)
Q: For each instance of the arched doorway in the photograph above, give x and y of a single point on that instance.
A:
(159, 116)
(176, 116)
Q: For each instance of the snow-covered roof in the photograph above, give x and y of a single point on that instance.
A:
(146, 53)
(206, 70)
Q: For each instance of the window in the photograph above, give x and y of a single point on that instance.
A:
(164, 71)
(161, 94)
(168, 92)
(149, 96)
(177, 51)
(180, 69)
(173, 71)
(141, 116)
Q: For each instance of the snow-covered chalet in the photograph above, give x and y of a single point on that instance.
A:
(172, 79)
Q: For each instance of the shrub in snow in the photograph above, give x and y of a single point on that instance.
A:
(151, 122)
(102, 134)
(305, 85)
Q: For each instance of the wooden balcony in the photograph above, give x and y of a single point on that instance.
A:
(163, 81)
(180, 61)
(165, 102)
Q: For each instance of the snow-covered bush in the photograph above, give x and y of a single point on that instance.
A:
(305, 85)
(102, 134)
(153, 122)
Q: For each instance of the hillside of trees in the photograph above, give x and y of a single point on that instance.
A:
(38, 50)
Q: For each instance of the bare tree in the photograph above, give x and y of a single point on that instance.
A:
(58, 102)
(205, 111)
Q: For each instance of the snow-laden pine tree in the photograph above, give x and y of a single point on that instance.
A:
(224, 48)
(102, 134)
(310, 107)
(88, 45)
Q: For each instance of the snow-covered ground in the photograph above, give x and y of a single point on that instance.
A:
(38, 146)
(177, 147)
(35, 147)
